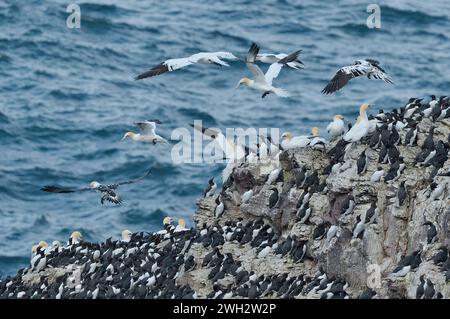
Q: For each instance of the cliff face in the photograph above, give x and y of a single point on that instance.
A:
(303, 243)
(396, 231)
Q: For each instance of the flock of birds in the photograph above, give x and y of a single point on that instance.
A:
(143, 265)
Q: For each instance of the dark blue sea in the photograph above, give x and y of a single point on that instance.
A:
(67, 96)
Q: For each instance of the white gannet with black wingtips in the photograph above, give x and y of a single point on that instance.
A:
(175, 64)
(108, 192)
(361, 127)
(289, 142)
(368, 67)
(147, 134)
(316, 140)
(337, 127)
(263, 82)
(274, 58)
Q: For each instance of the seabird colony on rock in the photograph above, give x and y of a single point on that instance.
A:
(149, 265)
(156, 265)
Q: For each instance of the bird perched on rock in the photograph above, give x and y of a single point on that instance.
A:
(361, 163)
(407, 263)
(211, 189)
(220, 207)
(273, 198)
(361, 127)
(336, 128)
(402, 193)
(348, 204)
(431, 232)
(377, 175)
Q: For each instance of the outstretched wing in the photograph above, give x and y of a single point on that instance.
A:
(147, 127)
(226, 55)
(250, 62)
(131, 181)
(275, 68)
(206, 131)
(379, 74)
(167, 66)
(344, 75)
(59, 189)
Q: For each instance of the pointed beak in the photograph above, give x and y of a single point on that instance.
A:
(238, 85)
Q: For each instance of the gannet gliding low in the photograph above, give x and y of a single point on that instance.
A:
(148, 133)
(368, 67)
(175, 64)
(107, 191)
(263, 82)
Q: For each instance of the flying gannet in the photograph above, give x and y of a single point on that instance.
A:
(274, 58)
(147, 134)
(108, 192)
(175, 64)
(368, 67)
(263, 82)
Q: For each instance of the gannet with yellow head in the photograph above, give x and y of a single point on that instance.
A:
(337, 127)
(289, 142)
(147, 134)
(181, 227)
(126, 235)
(263, 82)
(316, 140)
(361, 127)
(75, 238)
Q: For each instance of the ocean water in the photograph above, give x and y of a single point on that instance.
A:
(67, 96)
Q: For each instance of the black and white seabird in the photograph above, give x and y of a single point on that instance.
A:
(175, 64)
(273, 198)
(368, 67)
(358, 229)
(407, 263)
(431, 232)
(211, 189)
(147, 134)
(246, 196)
(371, 213)
(420, 289)
(107, 191)
(361, 163)
(402, 193)
(321, 230)
(348, 204)
(220, 207)
(377, 175)
(263, 82)
(429, 290)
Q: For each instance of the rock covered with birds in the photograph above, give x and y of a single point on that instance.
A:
(366, 215)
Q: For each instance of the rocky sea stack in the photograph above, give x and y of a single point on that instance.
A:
(327, 226)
